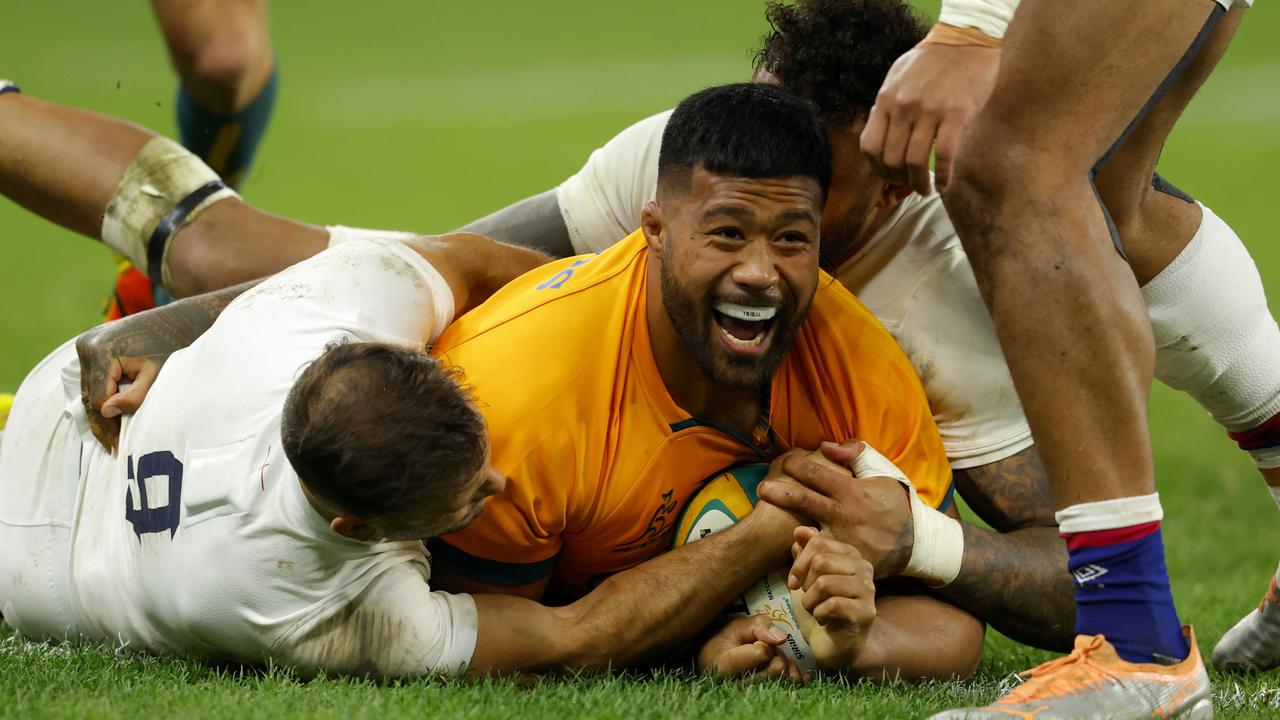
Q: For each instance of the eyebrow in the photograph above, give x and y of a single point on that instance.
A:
(734, 211)
(744, 215)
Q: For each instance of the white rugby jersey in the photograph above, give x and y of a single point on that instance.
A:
(913, 275)
(196, 538)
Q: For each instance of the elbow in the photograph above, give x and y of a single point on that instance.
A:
(576, 646)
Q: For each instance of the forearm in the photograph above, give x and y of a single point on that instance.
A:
(1018, 583)
(476, 266)
(642, 613)
(158, 333)
(918, 637)
(534, 222)
(1016, 579)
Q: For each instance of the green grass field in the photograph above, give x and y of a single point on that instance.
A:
(422, 116)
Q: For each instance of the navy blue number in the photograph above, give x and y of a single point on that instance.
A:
(147, 519)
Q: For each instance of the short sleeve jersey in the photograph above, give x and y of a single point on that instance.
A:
(197, 537)
(599, 458)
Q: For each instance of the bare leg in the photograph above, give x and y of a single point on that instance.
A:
(64, 164)
(220, 48)
(1065, 304)
(1155, 226)
(1076, 334)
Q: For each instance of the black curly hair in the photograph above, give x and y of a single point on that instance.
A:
(836, 53)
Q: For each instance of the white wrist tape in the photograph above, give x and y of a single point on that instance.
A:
(161, 176)
(990, 16)
(938, 549)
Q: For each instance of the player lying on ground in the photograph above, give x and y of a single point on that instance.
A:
(901, 256)
(267, 502)
(223, 244)
(1042, 220)
(623, 437)
(893, 245)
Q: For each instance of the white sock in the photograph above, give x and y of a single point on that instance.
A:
(1110, 514)
(1275, 495)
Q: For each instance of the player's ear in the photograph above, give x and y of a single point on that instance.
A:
(353, 526)
(891, 194)
(653, 224)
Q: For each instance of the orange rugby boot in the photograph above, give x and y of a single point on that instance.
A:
(1094, 682)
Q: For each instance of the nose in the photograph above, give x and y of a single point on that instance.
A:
(755, 269)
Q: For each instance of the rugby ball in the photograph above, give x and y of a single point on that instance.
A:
(723, 501)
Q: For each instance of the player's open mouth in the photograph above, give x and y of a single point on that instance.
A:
(744, 329)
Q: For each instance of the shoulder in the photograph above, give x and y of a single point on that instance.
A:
(603, 201)
(575, 291)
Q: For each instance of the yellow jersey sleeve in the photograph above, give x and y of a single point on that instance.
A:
(862, 386)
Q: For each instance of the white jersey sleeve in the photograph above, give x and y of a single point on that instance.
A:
(397, 627)
(369, 282)
(197, 537)
(915, 277)
(601, 204)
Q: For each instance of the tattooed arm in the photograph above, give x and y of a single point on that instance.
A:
(132, 350)
(1015, 577)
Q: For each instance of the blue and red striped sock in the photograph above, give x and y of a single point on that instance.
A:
(1116, 558)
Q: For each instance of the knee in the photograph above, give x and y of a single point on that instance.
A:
(225, 60)
(1001, 181)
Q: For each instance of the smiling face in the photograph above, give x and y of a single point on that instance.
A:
(739, 267)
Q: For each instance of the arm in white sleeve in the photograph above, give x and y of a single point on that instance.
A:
(601, 203)
(992, 17)
(376, 289)
(397, 627)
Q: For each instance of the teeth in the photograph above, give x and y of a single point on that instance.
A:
(754, 342)
(746, 313)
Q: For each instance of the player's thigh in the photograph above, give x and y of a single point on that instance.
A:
(40, 460)
(1126, 180)
(1073, 76)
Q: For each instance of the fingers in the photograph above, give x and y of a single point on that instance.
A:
(141, 373)
(844, 453)
(779, 667)
(873, 136)
(919, 147)
(845, 612)
(821, 556)
(106, 431)
(949, 133)
(814, 475)
(796, 499)
(893, 156)
(756, 628)
(833, 599)
(744, 659)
